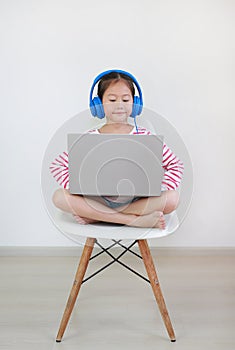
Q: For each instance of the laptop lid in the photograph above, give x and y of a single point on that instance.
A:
(115, 165)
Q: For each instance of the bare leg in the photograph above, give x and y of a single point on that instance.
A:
(95, 210)
(166, 203)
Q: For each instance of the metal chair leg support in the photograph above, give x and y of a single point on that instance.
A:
(152, 274)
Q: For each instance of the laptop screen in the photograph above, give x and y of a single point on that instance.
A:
(115, 165)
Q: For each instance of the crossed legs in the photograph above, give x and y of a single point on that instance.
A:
(166, 203)
(146, 212)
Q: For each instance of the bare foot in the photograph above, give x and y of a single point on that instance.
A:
(155, 219)
(84, 221)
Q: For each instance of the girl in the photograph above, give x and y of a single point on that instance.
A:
(117, 101)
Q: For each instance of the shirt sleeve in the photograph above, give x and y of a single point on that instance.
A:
(60, 170)
(173, 168)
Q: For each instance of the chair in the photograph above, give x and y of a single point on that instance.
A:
(94, 233)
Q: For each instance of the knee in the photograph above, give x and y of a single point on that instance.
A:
(58, 198)
(172, 201)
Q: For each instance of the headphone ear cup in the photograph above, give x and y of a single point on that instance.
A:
(97, 109)
(137, 107)
(100, 111)
(92, 108)
(140, 105)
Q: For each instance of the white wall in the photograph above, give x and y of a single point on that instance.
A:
(182, 52)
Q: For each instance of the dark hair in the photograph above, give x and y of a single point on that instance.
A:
(114, 77)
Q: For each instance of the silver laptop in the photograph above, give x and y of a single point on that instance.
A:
(115, 165)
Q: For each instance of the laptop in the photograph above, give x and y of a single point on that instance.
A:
(115, 164)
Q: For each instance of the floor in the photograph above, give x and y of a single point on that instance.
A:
(116, 309)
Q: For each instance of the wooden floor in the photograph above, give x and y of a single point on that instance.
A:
(116, 309)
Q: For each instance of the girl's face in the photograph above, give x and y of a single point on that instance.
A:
(117, 102)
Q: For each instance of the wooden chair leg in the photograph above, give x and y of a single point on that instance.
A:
(152, 274)
(86, 254)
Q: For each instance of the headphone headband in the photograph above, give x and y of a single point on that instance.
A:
(138, 101)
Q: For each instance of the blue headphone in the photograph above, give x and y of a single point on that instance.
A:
(96, 105)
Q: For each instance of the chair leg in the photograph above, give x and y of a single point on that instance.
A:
(152, 274)
(86, 254)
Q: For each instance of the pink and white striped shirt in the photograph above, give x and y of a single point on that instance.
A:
(173, 166)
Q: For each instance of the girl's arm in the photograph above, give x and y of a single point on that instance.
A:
(59, 167)
(60, 170)
(173, 167)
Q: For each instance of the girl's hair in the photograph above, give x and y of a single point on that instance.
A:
(114, 77)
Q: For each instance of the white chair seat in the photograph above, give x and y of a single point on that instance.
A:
(67, 224)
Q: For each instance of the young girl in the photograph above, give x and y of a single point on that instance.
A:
(116, 101)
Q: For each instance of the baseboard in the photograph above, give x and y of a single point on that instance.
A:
(76, 251)
(40, 251)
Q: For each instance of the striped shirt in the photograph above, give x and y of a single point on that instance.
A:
(173, 166)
